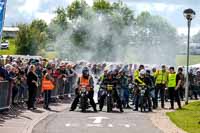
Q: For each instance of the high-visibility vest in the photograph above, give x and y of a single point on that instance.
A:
(172, 80)
(85, 82)
(140, 81)
(102, 77)
(47, 84)
(136, 74)
(154, 74)
(161, 77)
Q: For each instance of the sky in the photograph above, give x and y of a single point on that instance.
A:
(24, 11)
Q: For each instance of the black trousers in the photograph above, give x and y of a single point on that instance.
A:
(47, 98)
(101, 101)
(181, 92)
(147, 95)
(116, 98)
(160, 88)
(173, 94)
(14, 93)
(31, 98)
(90, 97)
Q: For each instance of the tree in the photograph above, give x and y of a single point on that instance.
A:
(31, 37)
(102, 6)
(126, 14)
(159, 36)
(61, 18)
(76, 9)
(40, 25)
(24, 40)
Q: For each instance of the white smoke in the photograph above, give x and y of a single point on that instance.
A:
(106, 40)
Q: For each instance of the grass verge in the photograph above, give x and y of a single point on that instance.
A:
(188, 118)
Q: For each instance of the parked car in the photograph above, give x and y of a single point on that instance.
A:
(5, 45)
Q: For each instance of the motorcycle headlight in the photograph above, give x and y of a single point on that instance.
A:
(143, 91)
(109, 87)
(83, 89)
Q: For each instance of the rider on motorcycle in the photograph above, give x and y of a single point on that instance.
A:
(101, 86)
(110, 80)
(85, 80)
(143, 81)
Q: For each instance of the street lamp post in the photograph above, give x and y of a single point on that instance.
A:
(189, 15)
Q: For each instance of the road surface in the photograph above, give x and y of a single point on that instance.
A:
(101, 122)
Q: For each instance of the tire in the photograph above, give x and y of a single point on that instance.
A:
(109, 104)
(142, 103)
(83, 103)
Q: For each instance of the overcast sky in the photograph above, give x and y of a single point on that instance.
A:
(21, 11)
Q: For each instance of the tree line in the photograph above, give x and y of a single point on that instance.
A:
(149, 29)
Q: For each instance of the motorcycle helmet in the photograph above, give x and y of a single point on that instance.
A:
(142, 72)
(85, 72)
(110, 74)
(148, 72)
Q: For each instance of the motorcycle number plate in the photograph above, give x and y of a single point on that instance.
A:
(142, 91)
(110, 87)
(83, 90)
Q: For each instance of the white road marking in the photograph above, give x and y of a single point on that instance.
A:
(110, 125)
(94, 125)
(134, 125)
(68, 125)
(98, 120)
(127, 125)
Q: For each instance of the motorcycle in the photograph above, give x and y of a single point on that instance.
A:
(109, 98)
(83, 99)
(143, 98)
(101, 92)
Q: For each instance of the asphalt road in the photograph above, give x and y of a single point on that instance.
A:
(101, 122)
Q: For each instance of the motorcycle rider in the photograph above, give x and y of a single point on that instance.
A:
(124, 90)
(102, 89)
(137, 72)
(110, 80)
(152, 85)
(142, 80)
(85, 80)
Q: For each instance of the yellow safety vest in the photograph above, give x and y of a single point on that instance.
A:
(161, 78)
(172, 80)
(154, 74)
(141, 82)
(136, 74)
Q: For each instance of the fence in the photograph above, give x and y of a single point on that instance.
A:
(6, 92)
(5, 95)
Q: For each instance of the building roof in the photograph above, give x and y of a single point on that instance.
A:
(11, 29)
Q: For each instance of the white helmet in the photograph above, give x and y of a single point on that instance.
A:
(142, 72)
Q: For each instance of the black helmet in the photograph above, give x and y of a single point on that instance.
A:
(110, 74)
(85, 71)
(148, 72)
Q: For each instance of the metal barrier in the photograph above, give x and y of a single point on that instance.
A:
(5, 95)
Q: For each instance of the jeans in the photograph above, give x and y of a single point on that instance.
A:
(47, 98)
(159, 88)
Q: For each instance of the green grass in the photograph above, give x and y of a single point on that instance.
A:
(188, 118)
(181, 60)
(12, 48)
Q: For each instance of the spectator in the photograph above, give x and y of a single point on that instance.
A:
(47, 87)
(32, 81)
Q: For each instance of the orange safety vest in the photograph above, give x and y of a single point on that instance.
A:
(47, 84)
(85, 82)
